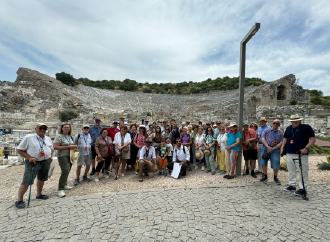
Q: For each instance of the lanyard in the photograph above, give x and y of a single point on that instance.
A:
(85, 139)
(293, 134)
(274, 135)
(208, 139)
(69, 140)
(43, 141)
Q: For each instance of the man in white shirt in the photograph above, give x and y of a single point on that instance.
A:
(180, 155)
(147, 159)
(37, 150)
(84, 144)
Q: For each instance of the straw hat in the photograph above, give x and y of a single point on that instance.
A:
(232, 124)
(74, 155)
(295, 117)
(199, 154)
(207, 152)
(263, 119)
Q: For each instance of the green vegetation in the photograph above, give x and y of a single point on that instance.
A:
(67, 115)
(293, 102)
(315, 149)
(225, 83)
(317, 98)
(149, 114)
(324, 165)
(3, 93)
(323, 138)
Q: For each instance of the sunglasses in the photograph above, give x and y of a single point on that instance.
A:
(178, 141)
(277, 123)
(42, 128)
(86, 127)
(148, 142)
(218, 123)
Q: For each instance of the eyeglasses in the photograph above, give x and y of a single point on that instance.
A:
(276, 123)
(210, 130)
(42, 128)
(252, 126)
(222, 129)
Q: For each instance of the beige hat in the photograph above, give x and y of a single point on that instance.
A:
(74, 155)
(295, 117)
(41, 124)
(199, 154)
(263, 119)
(232, 124)
(207, 152)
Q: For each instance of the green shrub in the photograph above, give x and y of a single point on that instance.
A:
(67, 115)
(3, 93)
(316, 100)
(293, 102)
(149, 114)
(323, 166)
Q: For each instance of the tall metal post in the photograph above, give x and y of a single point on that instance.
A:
(244, 41)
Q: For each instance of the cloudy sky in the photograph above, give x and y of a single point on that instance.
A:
(166, 41)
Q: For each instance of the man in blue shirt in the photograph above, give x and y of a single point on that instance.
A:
(297, 137)
(263, 126)
(95, 133)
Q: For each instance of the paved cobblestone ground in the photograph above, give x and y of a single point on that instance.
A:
(232, 212)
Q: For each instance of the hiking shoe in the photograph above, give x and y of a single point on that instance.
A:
(165, 174)
(159, 173)
(189, 168)
(300, 192)
(230, 177)
(225, 176)
(76, 182)
(207, 171)
(66, 187)
(263, 179)
(19, 204)
(253, 175)
(277, 181)
(92, 172)
(140, 180)
(290, 188)
(96, 179)
(106, 176)
(183, 174)
(43, 197)
(86, 179)
(246, 172)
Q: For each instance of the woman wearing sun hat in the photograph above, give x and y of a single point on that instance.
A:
(139, 142)
(232, 146)
(221, 148)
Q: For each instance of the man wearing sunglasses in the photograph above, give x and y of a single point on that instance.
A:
(147, 159)
(94, 133)
(84, 144)
(272, 141)
(180, 155)
(37, 150)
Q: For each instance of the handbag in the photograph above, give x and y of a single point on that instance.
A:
(251, 145)
(124, 150)
(110, 149)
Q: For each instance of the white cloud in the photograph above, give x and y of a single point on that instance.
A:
(167, 41)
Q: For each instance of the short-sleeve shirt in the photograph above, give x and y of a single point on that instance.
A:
(63, 140)
(272, 136)
(147, 154)
(83, 142)
(300, 137)
(209, 139)
(117, 140)
(185, 138)
(232, 139)
(169, 149)
(112, 132)
(102, 146)
(33, 144)
(95, 133)
(140, 140)
(250, 134)
(221, 141)
(162, 151)
(260, 130)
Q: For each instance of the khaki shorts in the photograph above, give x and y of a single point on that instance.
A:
(84, 160)
(40, 170)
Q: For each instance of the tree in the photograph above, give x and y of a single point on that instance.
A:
(66, 78)
(68, 114)
(316, 100)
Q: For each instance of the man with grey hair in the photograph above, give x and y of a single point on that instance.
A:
(147, 159)
(272, 141)
(37, 150)
(298, 137)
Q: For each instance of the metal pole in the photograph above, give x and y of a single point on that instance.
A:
(240, 105)
(244, 41)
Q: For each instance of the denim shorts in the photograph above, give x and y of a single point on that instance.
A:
(275, 158)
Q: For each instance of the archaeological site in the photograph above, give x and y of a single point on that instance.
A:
(35, 97)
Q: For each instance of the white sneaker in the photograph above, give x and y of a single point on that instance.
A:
(196, 167)
(61, 193)
(136, 173)
(96, 179)
(66, 187)
(203, 168)
(106, 176)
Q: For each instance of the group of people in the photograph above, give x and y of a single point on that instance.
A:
(150, 148)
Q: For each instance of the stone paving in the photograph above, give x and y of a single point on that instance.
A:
(217, 212)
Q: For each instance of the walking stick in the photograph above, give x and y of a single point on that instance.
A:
(30, 185)
(304, 194)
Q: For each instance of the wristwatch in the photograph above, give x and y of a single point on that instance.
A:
(306, 148)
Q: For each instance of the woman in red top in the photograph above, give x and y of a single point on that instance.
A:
(249, 143)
